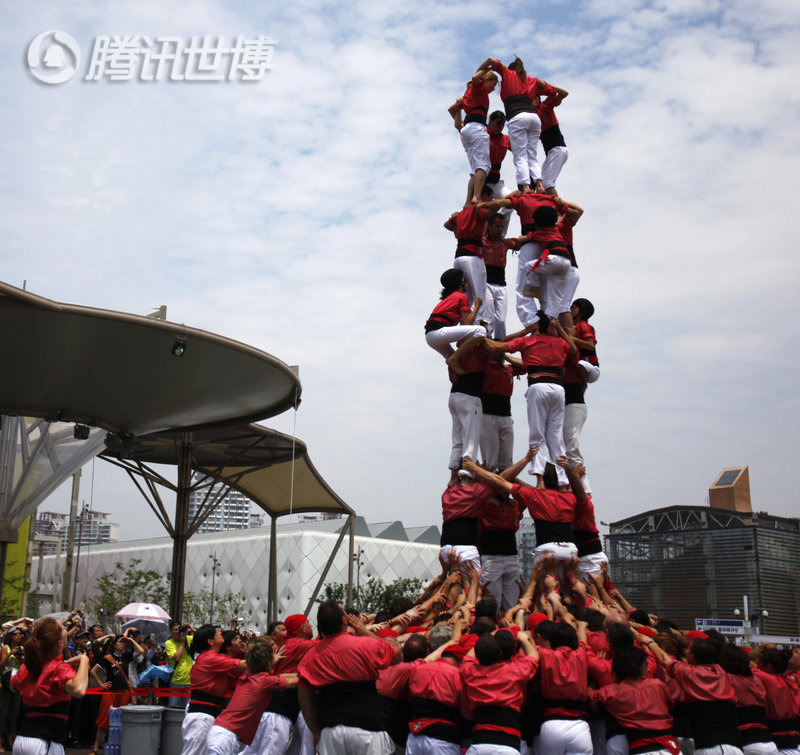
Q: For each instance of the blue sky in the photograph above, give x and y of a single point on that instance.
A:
(302, 215)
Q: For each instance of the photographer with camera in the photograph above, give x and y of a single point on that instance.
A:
(177, 650)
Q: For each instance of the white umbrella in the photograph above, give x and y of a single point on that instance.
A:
(142, 611)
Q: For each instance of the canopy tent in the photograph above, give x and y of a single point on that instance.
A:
(166, 393)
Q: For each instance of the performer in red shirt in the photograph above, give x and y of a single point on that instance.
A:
(494, 251)
(337, 685)
(495, 690)
(469, 225)
(462, 503)
(782, 699)
(46, 684)
(282, 720)
(213, 676)
(555, 148)
(525, 205)
(237, 724)
(498, 147)
(452, 320)
(544, 354)
(497, 426)
(475, 103)
(517, 91)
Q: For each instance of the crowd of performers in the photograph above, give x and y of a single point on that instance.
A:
(558, 663)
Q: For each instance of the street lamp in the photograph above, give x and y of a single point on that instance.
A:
(748, 617)
(359, 564)
(215, 563)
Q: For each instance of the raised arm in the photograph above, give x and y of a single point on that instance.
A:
(512, 472)
(450, 223)
(456, 115)
(574, 481)
(566, 336)
(470, 318)
(76, 687)
(484, 475)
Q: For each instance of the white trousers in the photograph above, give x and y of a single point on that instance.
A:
(440, 340)
(475, 140)
(500, 191)
(592, 563)
(574, 419)
(546, 426)
(495, 309)
(491, 750)
(618, 745)
(526, 305)
(466, 412)
(36, 746)
(272, 736)
(523, 134)
(558, 281)
(553, 163)
(561, 737)
(500, 575)
(474, 270)
(760, 748)
(591, 372)
(467, 554)
(221, 741)
(723, 750)
(422, 745)
(195, 730)
(497, 441)
(348, 740)
(561, 551)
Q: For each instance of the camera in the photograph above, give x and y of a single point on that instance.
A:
(184, 628)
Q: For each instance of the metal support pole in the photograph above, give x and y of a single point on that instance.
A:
(181, 528)
(272, 594)
(73, 513)
(350, 562)
(214, 565)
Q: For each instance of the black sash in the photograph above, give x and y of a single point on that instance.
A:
(552, 532)
(496, 404)
(497, 715)
(714, 723)
(555, 708)
(460, 531)
(471, 384)
(516, 104)
(498, 543)
(49, 723)
(552, 137)
(350, 704)
(284, 702)
(430, 718)
(496, 275)
(204, 702)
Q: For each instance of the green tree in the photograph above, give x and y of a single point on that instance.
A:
(197, 608)
(127, 583)
(375, 595)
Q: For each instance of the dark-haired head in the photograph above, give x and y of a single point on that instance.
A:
(544, 631)
(203, 640)
(543, 322)
(545, 216)
(734, 660)
(416, 648)
(487, 650)
(772, 660)
(517, 66)
(550, 477)
(507, 642)
(329, 618)
(452, 280)
(46, 642)
(705, 652)
(482, 625)
(640, 616)
(259, 657)
(628, 662)
(486, 607)
(564, 636)
(585, 308)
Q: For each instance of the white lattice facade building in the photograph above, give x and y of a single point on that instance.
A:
(302, 552)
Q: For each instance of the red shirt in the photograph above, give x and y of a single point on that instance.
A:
(393, 681)
(585, 332)
(708, 683)
(498, 147)
(540, 350)
(475, 100)
(564, 673)
(500, 516)
(526, 204)
(440, 680)
(344, 657)
(584, 515)
(512, 84)
(496, 252)
(499, 378)
(214, 673)
(548, 505)
(782, 695)
(546, 112)
(748, 690)
(502, 684)
(565, 226)
(48, 689)
(452, 307)
(294, 649)
(250, 699)
(465, 500)
(638, 704)
(470, 225)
